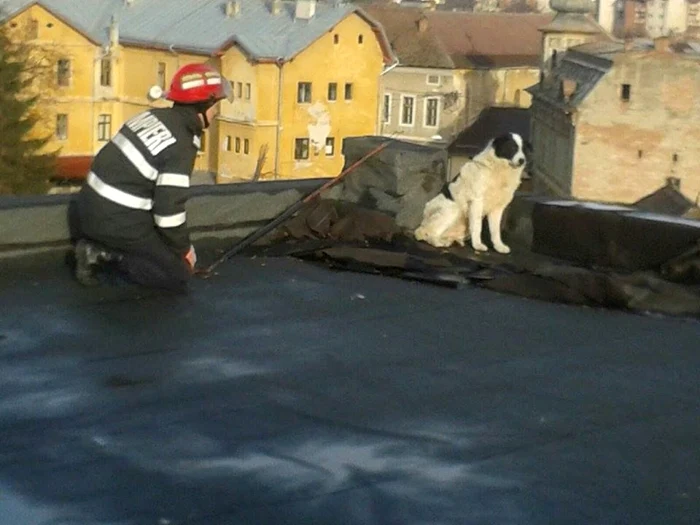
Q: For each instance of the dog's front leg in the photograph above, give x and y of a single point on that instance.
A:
(495, 218)
(476, 209)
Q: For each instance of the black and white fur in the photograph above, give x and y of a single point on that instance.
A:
(484, 187)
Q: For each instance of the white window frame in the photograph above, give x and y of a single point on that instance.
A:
(304, 91)
(428, 82)
(106, 71)
(413, 113)
(104, 127)
(386, 108)
(302, 145)
(437, 113)
(330, 147)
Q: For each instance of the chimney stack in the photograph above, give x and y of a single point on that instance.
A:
(305, 9)
(233, 8)
(113, 33)
(662, 44)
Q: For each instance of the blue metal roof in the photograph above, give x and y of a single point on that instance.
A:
(196, 25)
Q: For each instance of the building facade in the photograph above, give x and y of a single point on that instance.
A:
(653, 18)
(296, 97)
(451, 68)
(614, 123)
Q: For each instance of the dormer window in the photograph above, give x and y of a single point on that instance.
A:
(626, 92)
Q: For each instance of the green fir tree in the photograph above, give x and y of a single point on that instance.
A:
(25, 166)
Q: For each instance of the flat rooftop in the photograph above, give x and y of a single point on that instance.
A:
(281, 392)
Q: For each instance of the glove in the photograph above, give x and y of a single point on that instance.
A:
(191, 258)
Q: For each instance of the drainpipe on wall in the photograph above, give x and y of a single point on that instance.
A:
(380, 116)
(280, 77)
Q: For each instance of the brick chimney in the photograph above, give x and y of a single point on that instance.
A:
(276, 7)
(662, 44)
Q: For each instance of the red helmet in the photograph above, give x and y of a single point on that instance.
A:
(195, 83)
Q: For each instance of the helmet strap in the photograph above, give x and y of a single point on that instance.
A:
(202, 109)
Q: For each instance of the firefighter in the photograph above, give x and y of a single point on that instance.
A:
(132, 207)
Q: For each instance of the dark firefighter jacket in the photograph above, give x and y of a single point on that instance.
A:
(139, 180)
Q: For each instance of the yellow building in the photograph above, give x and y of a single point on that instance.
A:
(305, 76)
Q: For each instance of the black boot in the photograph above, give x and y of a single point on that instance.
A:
(89, 259)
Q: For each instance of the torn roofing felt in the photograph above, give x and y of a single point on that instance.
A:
(349, 237)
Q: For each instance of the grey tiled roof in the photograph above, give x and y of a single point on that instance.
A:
(197, 25)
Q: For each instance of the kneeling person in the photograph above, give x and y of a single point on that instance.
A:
(132, 206)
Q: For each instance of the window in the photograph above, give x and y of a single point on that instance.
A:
(431, 112)
(348, 91)
(336, 38)
(360, 39)
(227, 143)
(247, 91)
(433, 80)
(160, 79)
(301, 149)
(387, 108)
(626, 92)
(104, 127)
(63, 72)
(407, 104)
(238, 144)
(61, 126)
(106, 72)
(304, 92)
(332, 91)
(330, 146)
(246, 146)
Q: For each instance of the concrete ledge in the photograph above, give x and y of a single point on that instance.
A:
(610, 236)
(589, 234)
(231, 210)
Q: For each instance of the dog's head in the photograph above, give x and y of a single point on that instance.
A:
(512, 148)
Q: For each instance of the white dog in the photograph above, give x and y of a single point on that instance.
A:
(483, 188)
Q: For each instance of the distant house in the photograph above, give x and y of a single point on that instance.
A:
(654, 18)
(613, 122)
(453, 65)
